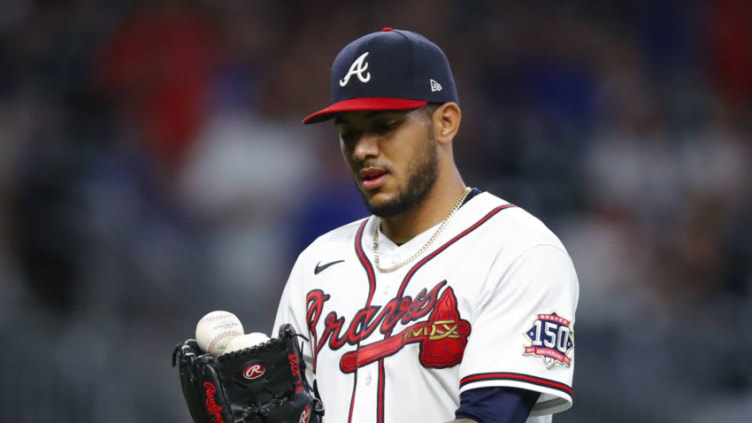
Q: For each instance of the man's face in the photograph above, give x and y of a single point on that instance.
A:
(393, 157)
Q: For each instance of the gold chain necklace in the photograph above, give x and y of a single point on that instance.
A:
(424, 248)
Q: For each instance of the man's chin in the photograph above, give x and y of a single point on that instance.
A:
(376, 198)
(385, 207)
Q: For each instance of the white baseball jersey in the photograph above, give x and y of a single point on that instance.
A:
(491, 303)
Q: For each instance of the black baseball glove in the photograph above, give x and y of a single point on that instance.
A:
(262, 384)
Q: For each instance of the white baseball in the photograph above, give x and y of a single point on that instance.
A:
(216, 329)
(246, 341)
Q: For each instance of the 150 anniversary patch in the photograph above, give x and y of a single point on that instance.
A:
(551, 338)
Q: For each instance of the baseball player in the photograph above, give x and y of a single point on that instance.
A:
(447, 303)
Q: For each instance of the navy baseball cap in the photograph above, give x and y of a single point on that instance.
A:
(392, 69)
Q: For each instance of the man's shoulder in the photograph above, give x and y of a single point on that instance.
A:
(512, 224)
(336, 237)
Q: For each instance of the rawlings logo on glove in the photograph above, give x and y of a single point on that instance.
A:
(214, 410)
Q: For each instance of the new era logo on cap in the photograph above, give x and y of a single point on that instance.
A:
(388, 70)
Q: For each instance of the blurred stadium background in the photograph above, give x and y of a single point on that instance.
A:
(153, 168)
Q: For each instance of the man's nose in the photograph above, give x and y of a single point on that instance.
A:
(367, 146)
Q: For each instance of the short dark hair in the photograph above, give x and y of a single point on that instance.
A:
(430, 108)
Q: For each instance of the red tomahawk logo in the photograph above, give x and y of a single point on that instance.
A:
(443, 339)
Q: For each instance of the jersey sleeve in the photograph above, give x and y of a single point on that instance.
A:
(292, 310)
(523, 331)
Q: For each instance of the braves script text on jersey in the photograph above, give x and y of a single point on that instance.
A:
(491, 304)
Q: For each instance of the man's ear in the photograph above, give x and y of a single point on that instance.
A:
(446, 122)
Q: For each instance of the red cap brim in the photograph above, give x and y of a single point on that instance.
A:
(364, 103)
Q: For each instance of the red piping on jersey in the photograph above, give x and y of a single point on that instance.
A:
(365, 262)
(519, 377)
(446, 245)
(371, 289)
(352, 398)
(382, 388)
(403, 286)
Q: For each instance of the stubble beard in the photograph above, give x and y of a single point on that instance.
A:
(419, 183)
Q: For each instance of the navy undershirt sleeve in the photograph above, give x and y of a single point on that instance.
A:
(496, 405)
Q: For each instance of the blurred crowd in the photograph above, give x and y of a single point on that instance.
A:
(153, 167)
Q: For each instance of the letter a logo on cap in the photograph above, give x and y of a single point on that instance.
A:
(358, 67)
